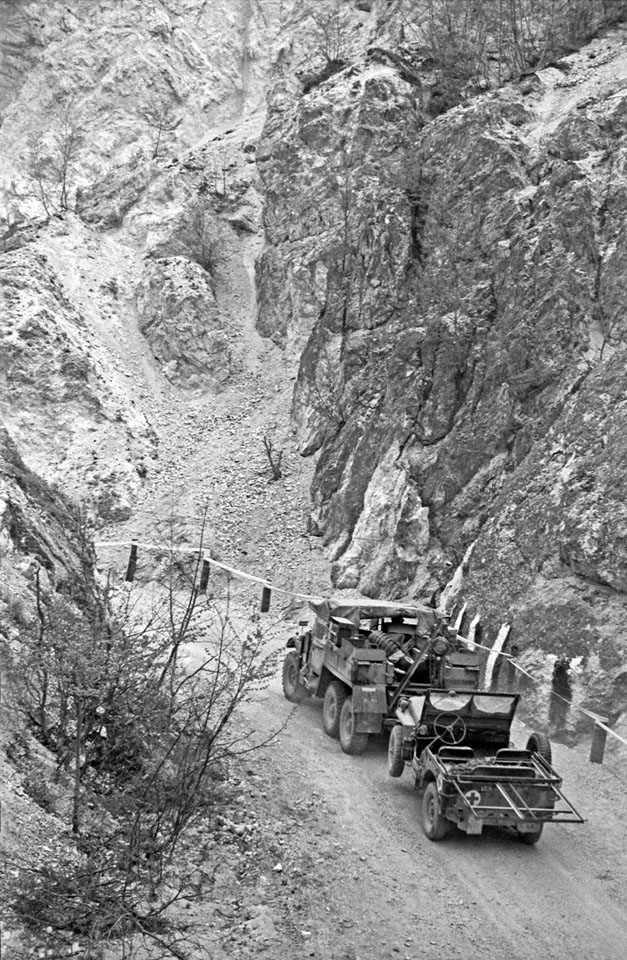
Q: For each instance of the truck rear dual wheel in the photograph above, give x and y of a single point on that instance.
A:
(294, 689)
(351, 742)
(434, 824)
(334, 698)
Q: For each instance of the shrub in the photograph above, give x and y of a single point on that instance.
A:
(140, 735)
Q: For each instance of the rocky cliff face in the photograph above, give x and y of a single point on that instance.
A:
(132, 378)
(129, 200)
(41, 546)
(63, 401)
(442, 281)
(449, 288)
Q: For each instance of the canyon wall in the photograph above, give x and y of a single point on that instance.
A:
(438, 264)
(448, 287)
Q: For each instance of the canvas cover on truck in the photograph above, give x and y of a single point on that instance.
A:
(365, 609)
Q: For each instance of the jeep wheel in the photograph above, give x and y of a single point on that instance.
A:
(539, 743)
(334, 698)
(294, 690)
(351, 742)
(434, 824)
(531, 838)
(396, 763)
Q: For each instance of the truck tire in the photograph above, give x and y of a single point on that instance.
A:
(539, 743)
(396, 763)
(435, 826)
(351, 742)
(295, 691)
(334, 698)
(531, 838)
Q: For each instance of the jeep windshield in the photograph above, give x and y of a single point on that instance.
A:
(491, 704)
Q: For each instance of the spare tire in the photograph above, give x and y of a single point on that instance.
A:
(539, 743)
(389, 645)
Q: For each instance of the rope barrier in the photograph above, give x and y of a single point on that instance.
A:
(603, 726)
(200, 552)
(267, 585)
(598, 721)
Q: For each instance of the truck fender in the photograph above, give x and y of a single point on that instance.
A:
(369, 708)
(370, 699)
(423, 777)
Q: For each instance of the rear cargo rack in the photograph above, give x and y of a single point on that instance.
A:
(479, 786)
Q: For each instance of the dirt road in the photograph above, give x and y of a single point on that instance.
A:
(363, 881)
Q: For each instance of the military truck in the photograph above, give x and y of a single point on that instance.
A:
(362, 657)
(466, 770)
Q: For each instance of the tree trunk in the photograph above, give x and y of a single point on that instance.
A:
(77, 767)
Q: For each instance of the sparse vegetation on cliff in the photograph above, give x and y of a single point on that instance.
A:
(53, 160)
(137, 710)
(471, 47)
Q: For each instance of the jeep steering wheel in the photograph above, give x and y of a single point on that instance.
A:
(449, 728)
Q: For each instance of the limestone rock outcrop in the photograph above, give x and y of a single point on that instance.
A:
(62, 398)
(41, 547)
(450, 291)
(128, 201)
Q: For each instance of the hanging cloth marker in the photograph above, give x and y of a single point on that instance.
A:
(266, 593)
(204, 576)
(132, 563)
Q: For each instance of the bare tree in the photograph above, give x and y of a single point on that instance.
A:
(274, 458)
(53, 159)
(219, 163)
(330, 36)
(160, 116)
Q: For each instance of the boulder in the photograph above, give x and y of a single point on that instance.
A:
(179, 317)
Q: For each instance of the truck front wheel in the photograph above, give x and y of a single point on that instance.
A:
(396, 763)
(295, 691)
(334, 698)
(350, 741)
(434, 824)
